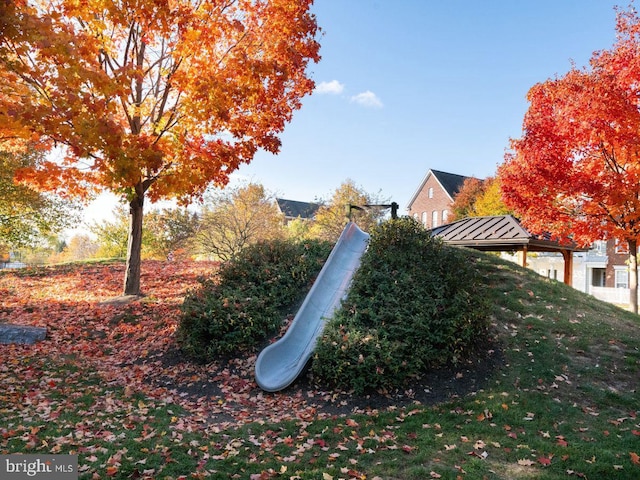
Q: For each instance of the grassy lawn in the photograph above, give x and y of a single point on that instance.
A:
(108, 385)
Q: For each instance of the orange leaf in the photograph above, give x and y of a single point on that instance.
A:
(635, 459)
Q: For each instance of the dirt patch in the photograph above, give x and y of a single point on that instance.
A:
(231, 384)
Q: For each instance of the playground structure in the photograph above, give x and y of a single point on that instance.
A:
(280, 363)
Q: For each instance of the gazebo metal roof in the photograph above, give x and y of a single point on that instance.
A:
(497, 233)
(503, 233)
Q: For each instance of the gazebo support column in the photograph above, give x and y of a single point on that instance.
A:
(568, 266)
(524, 256)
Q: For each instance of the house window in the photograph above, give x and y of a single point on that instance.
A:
(424, 218)
(622, 247)
(434, 219)
(445, 216)
(622, 278)
(430, 192)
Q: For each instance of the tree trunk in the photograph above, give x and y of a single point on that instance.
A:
(134, 246)
(633, 276)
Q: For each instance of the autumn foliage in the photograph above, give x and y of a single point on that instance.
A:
(151, 99)
(479, 198)
(575, 172)
(122, 343)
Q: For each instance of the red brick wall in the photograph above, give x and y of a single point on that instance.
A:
(614, 259)
(422, 203)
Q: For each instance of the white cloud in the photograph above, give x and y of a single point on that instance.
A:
(334, 87)
(367, 99)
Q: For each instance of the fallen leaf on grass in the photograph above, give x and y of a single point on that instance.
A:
(482, 455)
(111, 471)
(546, 461)
(577, 474)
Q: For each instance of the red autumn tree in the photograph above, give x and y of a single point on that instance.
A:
(479, 198)
(576, 170)
(151, 98)
(464, 201)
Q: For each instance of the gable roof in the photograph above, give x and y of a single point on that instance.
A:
(295, 209)
(450, 183)
(502, 232)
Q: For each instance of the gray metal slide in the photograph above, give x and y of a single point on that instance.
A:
(279, 364)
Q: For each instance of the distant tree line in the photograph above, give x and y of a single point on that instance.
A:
(226, 222)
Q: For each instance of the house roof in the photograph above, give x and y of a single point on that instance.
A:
(450, 183)
(497, 233)
(295, 209)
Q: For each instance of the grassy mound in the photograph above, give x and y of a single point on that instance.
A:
(414, 305)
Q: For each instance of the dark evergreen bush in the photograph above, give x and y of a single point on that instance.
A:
(236, 311)
(415, 304)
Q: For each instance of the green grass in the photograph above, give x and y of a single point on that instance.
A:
(564, 405)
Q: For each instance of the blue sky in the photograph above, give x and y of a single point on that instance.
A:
(408, 85)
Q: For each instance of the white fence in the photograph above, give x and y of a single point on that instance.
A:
(618, 296)
(12, 265)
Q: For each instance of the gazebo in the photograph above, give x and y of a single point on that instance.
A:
(503, 233)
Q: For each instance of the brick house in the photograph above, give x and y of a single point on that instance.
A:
(431, 203)
(601, 271)
(608, 264)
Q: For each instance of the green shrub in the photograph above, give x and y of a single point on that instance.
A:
(415, 304)
(236, 311)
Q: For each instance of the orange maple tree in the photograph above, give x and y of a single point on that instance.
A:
(575, 172)
(464, 201)
(151, 98)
